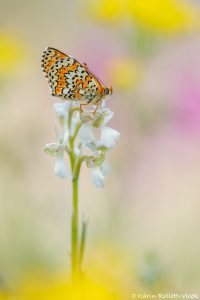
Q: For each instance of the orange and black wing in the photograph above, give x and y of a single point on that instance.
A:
(68, 79)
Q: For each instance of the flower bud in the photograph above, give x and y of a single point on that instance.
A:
(52, 149)
(95, 159)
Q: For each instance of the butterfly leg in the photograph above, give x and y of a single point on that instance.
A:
(97, 106)
(94, 112)
(81, 108)
(100, 104)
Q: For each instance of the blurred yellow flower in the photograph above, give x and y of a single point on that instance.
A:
(3, 296)
(60, 290)
(108, 10)
(124, 73)
(11, 54)
(107, 277)
(166, 15)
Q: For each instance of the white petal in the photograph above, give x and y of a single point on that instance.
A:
(59, 134)
(75, 121)
(108, 114)
(74, 103)
(86, 135)
(109, 137)
(102, 117)
(86, 116)
(61, 169)
(105, 168)
(97, 177)
(77, 151)
(66, 136)
(62, 109)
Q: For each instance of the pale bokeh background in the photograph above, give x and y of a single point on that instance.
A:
(144, 225)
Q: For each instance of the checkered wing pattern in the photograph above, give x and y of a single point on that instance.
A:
(68, 79)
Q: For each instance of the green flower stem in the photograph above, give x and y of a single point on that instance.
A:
(71, 111)
(75, 171)
(76, 130)
(74, 218)
(74, 229)
(82, 244)
(75, 253)
(77, 166)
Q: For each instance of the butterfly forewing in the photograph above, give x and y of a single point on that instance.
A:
(68, 79)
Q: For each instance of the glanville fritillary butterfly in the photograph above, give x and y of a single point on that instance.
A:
(71, 80)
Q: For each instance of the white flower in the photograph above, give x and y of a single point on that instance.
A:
(57, 151)
(61, 169)
(108, 114)
(59, 134)
(102, 118)
(105, 168)
(86, 135)
(99, 174)
(109, 137)
(62, 111)
(97, 177)
(77, 135)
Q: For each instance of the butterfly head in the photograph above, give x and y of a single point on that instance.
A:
(108, 91)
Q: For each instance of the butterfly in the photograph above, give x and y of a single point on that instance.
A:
(71, 80)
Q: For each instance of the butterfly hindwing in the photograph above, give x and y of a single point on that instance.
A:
(68, 79)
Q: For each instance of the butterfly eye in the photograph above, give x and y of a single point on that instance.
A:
(106, 91)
